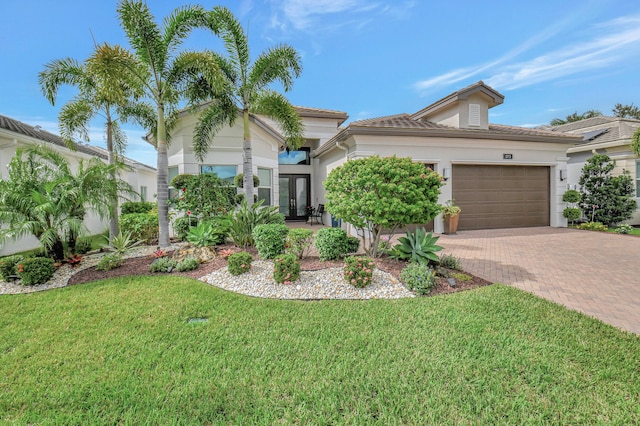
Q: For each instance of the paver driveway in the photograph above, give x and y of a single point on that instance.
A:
(592, 272)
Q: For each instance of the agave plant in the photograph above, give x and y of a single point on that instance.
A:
(418, 247)
(122, 242)
(203, 235)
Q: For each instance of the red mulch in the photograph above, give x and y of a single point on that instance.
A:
(140, 266)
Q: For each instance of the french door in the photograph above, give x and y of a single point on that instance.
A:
(295, 196)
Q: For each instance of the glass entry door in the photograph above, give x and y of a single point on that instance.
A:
(295, 196)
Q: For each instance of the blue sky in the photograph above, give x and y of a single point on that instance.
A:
(368, 58)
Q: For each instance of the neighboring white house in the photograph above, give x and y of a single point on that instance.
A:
(501, 176)
(15, 134)
(603, 135)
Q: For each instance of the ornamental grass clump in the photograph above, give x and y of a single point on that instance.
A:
(8, 266)
(358, 270)
(299, 242)
(239, 263)
(270, 239)
(286, 269)
(418, 277)
(36, 270)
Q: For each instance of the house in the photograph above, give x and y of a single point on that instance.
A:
(501, 176)
(15, 134)
(603, 135)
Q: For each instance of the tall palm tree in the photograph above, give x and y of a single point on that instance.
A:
(248, 88)
(101, 92)
(575, 117)
(44, 198)
(163, 74)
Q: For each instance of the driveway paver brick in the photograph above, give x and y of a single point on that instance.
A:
(592, 272)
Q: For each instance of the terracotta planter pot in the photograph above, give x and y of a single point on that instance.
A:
(451, 224)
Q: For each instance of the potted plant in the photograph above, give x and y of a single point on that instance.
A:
(451, 214)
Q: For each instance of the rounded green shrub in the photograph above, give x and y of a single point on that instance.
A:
(270, 239)
(571, 196)
(623, 229)
(418, 277)
(299, 242)
(130, 207)
(36, 270)
(187, 264)
(572, 213)
(163, 264)
(353, 244)
(332, 243)
(8, 266)
(109, 262)
(239, 181)
(181, 180)
(358, 270)
(239, 263)
(141, 226)
(182, 224)
(286, 269)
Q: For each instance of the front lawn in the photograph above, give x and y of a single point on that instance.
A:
(123, 351)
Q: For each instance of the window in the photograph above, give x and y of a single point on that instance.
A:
(143, 193)
(226, 173)
(300, 157)
(430, 166)
(264, 190)
(173, 172)
(638, 179)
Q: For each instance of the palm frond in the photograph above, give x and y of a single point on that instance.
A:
(220, 113)
(74, 120)
(276, 106)
(61, 72)
(225, 24)
(281, 63)
(143, 34)
(179, 23)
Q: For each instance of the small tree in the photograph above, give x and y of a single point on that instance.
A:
(204, 196)
(605, 198)
(374, 194)
(571, 212)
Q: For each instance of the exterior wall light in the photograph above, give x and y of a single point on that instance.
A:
(445, 173)
(563, 174)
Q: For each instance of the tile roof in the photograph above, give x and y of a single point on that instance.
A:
(588, 122)
(614, 129)
(38, 133)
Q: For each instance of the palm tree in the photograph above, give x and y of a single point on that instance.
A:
(163, 74)
(248, 89)
(575, 117)
(44, 198)
(102, 92)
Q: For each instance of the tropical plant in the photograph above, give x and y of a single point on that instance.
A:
(270, 239)
(247, 89)
(122, 243)
(286, 269)
(358, 270)
(44, 198)
(299, 242)
(606, 198)
(203, 235)
(575, 117)
(418, 277)
(626, 111)
(245, 218)
(331, 243)
(418, 247)
(375, 194)
(103, 92)
(182, 224)
(164, 74)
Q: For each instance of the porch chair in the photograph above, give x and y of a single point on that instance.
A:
(316, 214)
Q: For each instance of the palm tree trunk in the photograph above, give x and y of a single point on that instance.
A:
(163, 187)
(113, 220)
(247, 165)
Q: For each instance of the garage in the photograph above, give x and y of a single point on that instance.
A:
(501, 196)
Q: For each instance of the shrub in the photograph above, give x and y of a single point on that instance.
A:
(204, 235)
(239, 181)
(36, 270)
(187, 264)
(239, 263)
(418, 277)
(299, 242)
(418, 247)
(204, 196)
(572, 213)
(182, 224)
(571, 196)
(331, 243)
(83, 246)
(180, 181)
(450, 262)
(8, 266)
(358, 270)
(110, 261)
(141, 226)
(270, 239)
(163, 264)
(286, 269)
(130, 207)
(353, 244)
(624, 229)
(241, 222)
(593, 226)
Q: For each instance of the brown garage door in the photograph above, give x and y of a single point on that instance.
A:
(501, 196)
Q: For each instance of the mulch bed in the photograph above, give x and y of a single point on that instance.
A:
(140, 266)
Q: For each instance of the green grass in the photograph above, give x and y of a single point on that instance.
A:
(121, 351)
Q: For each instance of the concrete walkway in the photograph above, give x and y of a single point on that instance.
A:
(592, 272)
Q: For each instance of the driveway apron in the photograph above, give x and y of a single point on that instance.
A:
(592, 272)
